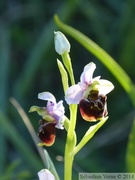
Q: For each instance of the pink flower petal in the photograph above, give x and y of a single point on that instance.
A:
(60, 123)
(59, 109)
(47, 96)
(74, 94)
(105, 86)
(54, 109)
(87, 74)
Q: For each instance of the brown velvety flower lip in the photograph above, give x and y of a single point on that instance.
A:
(94, 107)
(46, 132)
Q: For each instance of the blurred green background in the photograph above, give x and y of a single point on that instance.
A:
(28, 66)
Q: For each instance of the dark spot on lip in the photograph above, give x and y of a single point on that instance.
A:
(93, 107)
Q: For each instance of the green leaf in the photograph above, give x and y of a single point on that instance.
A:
(64, 75)
(89, 134)
(50, 167)
(103, 56)
(130, 154)
(15, 164)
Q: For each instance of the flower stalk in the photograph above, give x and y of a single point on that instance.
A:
(71, 141)
(62, 47)
(70, 144)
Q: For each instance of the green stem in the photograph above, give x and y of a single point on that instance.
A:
(70, 144)
(71, 141)
(68, 163)
(66, 125)
(73, 112)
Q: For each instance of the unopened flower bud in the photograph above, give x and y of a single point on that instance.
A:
(62, 45)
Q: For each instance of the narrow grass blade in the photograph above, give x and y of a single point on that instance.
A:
(51, 165)
(130, 154)
(30, 128)
(12, 134)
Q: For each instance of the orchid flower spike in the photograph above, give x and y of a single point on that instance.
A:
(52, 117)
(90, 94)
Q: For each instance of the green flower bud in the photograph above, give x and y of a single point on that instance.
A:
(61, 43)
